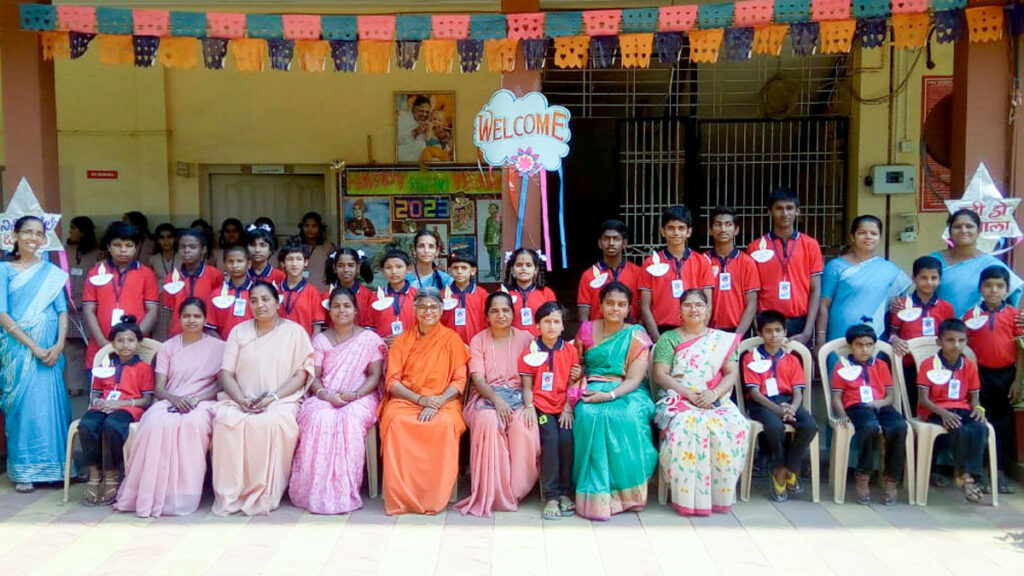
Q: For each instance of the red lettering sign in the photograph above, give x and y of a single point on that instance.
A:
(101, 174)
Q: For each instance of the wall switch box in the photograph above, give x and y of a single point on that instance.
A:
(893, 179)
(908, 236)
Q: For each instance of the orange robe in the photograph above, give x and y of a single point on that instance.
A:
(421, 459)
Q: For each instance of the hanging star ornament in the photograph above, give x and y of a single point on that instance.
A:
(25, 203)
(999, 230)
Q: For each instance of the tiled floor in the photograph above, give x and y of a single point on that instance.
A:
(39, 535)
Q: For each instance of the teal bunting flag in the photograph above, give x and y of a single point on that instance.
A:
(339, 28)
(114, 20)
(267, 26)
(563, 24)
(38, 17)
(413, 27)
(870, 8)
(639, 20)
(487, 26)
(715, 15)
(943, 5)
(188, 24)
(792, 11)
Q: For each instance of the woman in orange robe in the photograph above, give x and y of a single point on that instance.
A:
(421, 417)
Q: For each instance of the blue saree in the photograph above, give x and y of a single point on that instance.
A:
(34, 401)
(858, 290)
(960, 282)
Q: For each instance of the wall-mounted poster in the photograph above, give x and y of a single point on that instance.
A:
(367, 218)
(424, 127)
(464, 246)
(488, 233)
(463, 215)
(936, 118)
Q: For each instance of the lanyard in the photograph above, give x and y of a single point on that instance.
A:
(119, 367)
(677, 261)
(925, 306)
(461, 294)
(193, 278)
(864, 369)
(940, 360)
(437, 279)
(551, 351)
(261, 275)
(396, 306)
(725, 261)
(774, 359)
(786, 256)
(615, 271)
(119, 280)
(168, 267)
(239, 289)
(290, 293)
(525, 294)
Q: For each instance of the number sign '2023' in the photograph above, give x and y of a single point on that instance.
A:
(421, 208)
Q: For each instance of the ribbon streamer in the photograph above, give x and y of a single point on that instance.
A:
(561, 214)
(544, 216)
(522, 210)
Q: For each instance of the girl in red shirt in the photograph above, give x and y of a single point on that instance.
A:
(524, 280)
(230, 306)
(346, 268)
(393, 311)
(193, 279)
(300, 300)
(262, 244)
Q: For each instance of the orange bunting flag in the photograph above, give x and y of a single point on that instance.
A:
(910, 30)
(115, 50)
(985, 23)
(768, 39)
(501, 54)
(636, 50)
(55, 45)
(375, 56)
(571, 51)
(837, 36)
(249, 53)
(705, 44)
(179, 52)
(312, 54)
(439, 55)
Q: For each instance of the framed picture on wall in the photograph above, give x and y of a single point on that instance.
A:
(367, 218)
(424, 127)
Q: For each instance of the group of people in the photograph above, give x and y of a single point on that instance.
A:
(280, 364)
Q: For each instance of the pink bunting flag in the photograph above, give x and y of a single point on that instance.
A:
(753, 13)
(376, 27)
(301, 26)
(77, 19)
(602, 22)
(450, 26)
(151, 22)
(823, 10)
(525, 26)
(677, 18)
(226, 25)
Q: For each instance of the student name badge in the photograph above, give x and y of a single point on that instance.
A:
(762, 254)
(460, 316)
(760, 366)
(939, 376)
(867, 395)
(850, 373)
(536, 356)
(547, 381)
(725, 281)
(785, 290)
(115, 316)
(526, 316)
(174, 287)
(101, 279)
(239, 309)
(677, 288)
(76, 271)
(928, 326)
(976, 323)
(953, 393)
(114, 395)
(224, 301)
(771, 387)
(396, 328)
(909, 314)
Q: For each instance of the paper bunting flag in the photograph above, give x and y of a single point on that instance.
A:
(639, 20)
(500, 54)
(985, 23)
(715, 15)
(115, 49)
(41, 17)
(804, 37)
(486, 26)
(790, 11)
(179, 52)
(535, 50)
(282, 52)
(374, 56)
(943, 5)
(55, 45)
(144, 49)
(909, 6)
(669, 47)
(249, 54)
(871, 32)
(837, 36)
(558, 24)
(870, 8)
(526, 26)
(737, 44)
(949, 25)
(822, 10)
(705, 45)
(450, 26)
(753, 13)
(188, 24)
(677, 18)
(768, 40)
(407, 53)
(214, 51)
(151, 22)
(412, 26)
(471, 53)
(380, 28)
(79, 43)
(909, 30)
(114, 21)
(77, 19)
(636, 50)
(601, 22)
(602, 51)
(571, 51)
(301, 26)
(345, 54)
(439, 56)
(264, 26)
(226, 25)
(339, 28)
(312, 55)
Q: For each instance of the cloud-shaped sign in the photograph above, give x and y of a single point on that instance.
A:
(507, 125)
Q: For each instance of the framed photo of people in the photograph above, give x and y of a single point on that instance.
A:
(424, 127)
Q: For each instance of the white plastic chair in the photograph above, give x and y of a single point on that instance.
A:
(842, 435)
(927, 433)
(791, 347)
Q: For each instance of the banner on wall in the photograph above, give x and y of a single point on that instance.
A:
(936, 117)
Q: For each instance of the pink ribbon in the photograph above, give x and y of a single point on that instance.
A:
(544, 217)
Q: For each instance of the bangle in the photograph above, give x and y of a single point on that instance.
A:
(132, 401)
(276, 397)
(530, 406)
(612, 393)
(981, 409)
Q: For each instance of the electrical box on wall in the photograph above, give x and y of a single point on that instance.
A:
(894, 179)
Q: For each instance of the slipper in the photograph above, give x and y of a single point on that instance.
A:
(1005, 484)
(971, 490)
(892, 492)
(863, 488)
(793, 484)
(551, 511)
(109, 492)
(91, 495)
(24, 488)
(566, 506)
(779, 492)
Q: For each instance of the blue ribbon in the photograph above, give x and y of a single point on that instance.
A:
(561, 214)
(523, 189)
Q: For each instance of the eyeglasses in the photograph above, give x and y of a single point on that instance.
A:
(427, 308)
(694, 305)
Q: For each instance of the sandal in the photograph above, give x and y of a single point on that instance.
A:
(110, 486)
(892, 492)
(779, 492)
(863, 488)
(1005, 485)
(566, 506)
(551, 510)
(793, 484)
(971, 490)
(24, 488)
(91, 495)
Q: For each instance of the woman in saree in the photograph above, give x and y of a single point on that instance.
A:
(165, 474)
(327, 472)
(33, 314)
(503, 451)
(703, 434)
(267, 363)
(421, 419)
(615, 454)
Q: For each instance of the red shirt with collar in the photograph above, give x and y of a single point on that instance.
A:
(627, 273)
(693, 269)
(730, 292)
(364, 300)
(204, 284)
(560, 361)
(787, 370)
(403, 300)
(964, 370)
(875, 374)
(302, 305)
(132, 379)
(936, 308)
(130, 291)
(223, 320)
(795, 261)
(271, 274)
(534, 298)
(993, 341)
(473, 302)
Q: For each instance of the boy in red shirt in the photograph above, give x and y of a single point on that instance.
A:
(993, 334)
(775, 384)
(789, 264)
(300, 300)
(230, 306)
(194, 278)
(736, 279)
(464, 300)
(612, 267)
(671, 271)
(549, 367)
(949, 397)
(862, 395)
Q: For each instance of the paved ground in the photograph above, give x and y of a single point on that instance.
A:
(39, 535)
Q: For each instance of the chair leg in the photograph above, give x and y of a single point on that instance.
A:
(840, 462)
(993, 465)
(748, 467)
(815, 450)
(662, 486)
(72, 433)
(925, 448)
(371, 462)
(910, 470)
(126, 450)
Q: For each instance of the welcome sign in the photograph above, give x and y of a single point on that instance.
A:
(509, 126)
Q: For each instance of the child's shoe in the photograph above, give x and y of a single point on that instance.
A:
(566, 506)
(892, 491)
(779, 491)
(793, 484)
(552, 511)
(863, 488)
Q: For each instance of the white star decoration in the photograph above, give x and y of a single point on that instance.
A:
(24, 203)
(997, 221)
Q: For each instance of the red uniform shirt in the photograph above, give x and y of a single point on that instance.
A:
(204, 284)
(302, 305)
(533, 297)
(224, 312)
(993, 339)
(472, 318)
(550, 392)
(271, 274)
(795, 261)
(786, 370)
(627, 273)
(400, 310)
(951, 392)
(129, 382)
(364, 299)
(735, 276)
(128, 292)
(936, 309)
(875, 374)
(691, 271)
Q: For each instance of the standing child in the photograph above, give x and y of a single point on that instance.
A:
(949, 397)
(313, 235)
(425, 273)
(230, 307)
(612, 267)
(993, 334)
(193, 279)
(347, 268)
(83, 254)
(736, 280)
(863, 395)
(300, 300)
(122, 388)
(393, 306)
(671, 271)
(466, 314)
(549, 368)
(262, 243)
(775, 383)
(167, 259)
(524, 280)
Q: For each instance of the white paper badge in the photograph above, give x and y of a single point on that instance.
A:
(762, 254)
(760, 366)
(954, 389)
(657, 267)
(102, 277)
(850, 373)
(382, 302)
(460, 316)
(725, 281)
(114, 395)
(909, 314)
(867, 395)
(175, 285)
(224, 300)
(599, 277)
(536, 356)
(450, 303)
(326, 303)
(977, 323)
(75, 271)
(939, 375)
(785, 290)
(771, 387)
(104, 370)
(547, 381)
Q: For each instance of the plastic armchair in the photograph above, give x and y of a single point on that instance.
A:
(927, 433)
(842, 435)
(791, 347)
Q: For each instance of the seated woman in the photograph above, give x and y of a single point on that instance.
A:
(267, 362)
(503, 451)
(703, 434)
(421, 421)
(327, 472)
(168, 466)
(615, 455)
